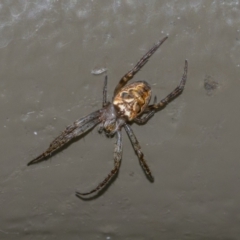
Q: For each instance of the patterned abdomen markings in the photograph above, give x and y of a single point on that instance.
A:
(133, 99)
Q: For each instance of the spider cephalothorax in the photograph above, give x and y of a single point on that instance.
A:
(130, 104)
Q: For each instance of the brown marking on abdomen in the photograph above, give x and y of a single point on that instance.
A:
(133, 99)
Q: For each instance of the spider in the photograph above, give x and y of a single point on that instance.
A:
(130, 104)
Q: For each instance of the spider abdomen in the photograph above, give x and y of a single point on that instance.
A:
(133, 99)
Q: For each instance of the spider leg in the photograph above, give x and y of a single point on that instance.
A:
(176, 92)
(104, 104)
(79, 127)
(117, 162)
(138, 151)
(129, 75)
(101, 127)
(105, 92)
(144, 119)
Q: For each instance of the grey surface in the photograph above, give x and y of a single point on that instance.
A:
(47, 52)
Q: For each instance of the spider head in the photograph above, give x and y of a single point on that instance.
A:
(110, 121)
(110, 127)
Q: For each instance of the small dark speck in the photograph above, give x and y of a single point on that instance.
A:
(210, 85)
(131, 174)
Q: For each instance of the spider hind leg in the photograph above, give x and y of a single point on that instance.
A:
(138, 151)
(117, 163)
(144, 119)
(175, 93)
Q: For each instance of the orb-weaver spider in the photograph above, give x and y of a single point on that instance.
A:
(130, 103)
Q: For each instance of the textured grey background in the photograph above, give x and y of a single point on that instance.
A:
(47, 52)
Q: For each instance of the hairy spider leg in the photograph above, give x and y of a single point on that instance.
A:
(117, 162)
(176, 92)
(105, 92)
(105, 102)
(138, 151)
(130, 74)
(144, 119)
(79, 127)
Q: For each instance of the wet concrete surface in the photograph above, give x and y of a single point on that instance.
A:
(51, 57)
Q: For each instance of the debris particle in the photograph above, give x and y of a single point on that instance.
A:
(210, 85)
(98, 71)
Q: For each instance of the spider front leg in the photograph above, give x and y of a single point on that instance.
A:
(78, 128)
(176, 92)
(128, 76)
(105, 92)
(138, 151)
(117, 162)
(104, 103)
